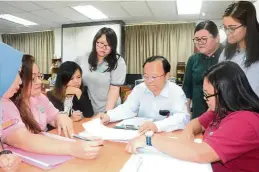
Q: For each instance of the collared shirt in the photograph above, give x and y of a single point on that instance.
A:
(197, 64)
(9, 113)
(99, 81)
(235, 140)
(43, 111)
(251, 71)
(143, 103)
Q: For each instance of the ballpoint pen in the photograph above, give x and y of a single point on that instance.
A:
(127, 127)
(82, 138)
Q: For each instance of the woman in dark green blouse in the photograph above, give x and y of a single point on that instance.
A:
(206, 40)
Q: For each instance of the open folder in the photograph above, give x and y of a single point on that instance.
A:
(42, 161)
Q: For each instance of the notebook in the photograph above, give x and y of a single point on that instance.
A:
(42, 161)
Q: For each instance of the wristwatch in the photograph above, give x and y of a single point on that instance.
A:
(149, 134)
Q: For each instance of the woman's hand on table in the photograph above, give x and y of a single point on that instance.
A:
(86, 149)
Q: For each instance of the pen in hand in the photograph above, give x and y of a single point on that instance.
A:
(83, 138)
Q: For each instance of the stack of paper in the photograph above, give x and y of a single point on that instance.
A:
(97, 129)
(143, 162)
(136, 121)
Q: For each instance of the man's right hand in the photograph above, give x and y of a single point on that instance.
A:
(104, 117)
(86, 149)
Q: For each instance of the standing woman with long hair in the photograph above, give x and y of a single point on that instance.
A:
(242, 29)
(206, 40)
(104, 70)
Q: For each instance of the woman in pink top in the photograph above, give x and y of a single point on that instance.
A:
(32, 103)
(8, 71)
(17, 135)
(231, 129)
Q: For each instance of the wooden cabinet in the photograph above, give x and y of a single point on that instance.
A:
(180, 69)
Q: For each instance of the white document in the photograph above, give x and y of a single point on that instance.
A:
(96, 128)
(150, 159)
(136, 121)
(143, 162)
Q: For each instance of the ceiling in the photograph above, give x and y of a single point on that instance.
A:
(52, 14)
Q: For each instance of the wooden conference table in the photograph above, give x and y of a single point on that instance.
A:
(111, 159)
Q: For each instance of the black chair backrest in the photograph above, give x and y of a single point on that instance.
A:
(131, 78)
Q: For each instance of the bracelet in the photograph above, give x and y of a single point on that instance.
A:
(3, 152)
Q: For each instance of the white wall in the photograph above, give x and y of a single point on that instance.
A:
(217, 22)
(256, 4)
(57, 36)
(77, 41)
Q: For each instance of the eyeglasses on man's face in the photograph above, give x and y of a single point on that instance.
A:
(37, 77)
(207, 96)
(102, 45)
(200, 41)
(151, 78)
(230, 29)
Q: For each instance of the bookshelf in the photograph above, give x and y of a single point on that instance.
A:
(180, 69)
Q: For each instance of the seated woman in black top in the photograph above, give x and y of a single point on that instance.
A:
(69, 95)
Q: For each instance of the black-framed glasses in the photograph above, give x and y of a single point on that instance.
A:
(229, 30)
(152, 78)
(207, 96)
(200, 41)
(39, 76)
(101, 45)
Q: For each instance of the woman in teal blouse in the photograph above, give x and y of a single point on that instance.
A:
(206, 40)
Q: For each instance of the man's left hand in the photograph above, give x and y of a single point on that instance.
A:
(147, 126)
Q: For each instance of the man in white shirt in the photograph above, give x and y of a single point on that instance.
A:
(148, 99)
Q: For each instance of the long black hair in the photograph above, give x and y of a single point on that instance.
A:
(64, 75)
(112, 58)
(234, 92)
(245, 13)
(208, 25)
